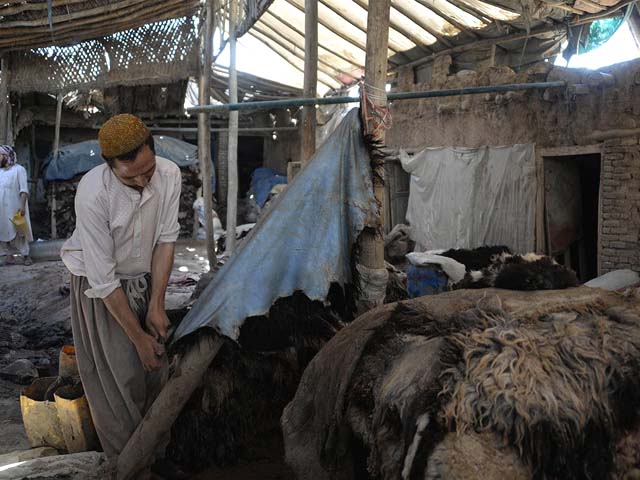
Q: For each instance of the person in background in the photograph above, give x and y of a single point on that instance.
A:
(13, 199)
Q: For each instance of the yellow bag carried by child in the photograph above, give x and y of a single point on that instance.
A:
(20, 222)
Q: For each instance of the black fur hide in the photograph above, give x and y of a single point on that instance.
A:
(477, 258)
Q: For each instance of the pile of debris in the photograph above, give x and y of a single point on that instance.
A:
(519, 385)
(64, 192)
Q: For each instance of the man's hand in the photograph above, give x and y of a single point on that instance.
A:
(21, 211)
(149, 351)
(157, 322)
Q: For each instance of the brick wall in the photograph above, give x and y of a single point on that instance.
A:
(620, 205)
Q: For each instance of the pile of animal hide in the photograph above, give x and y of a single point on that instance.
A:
(65, 193)
(517, 385)
(499, 267)
(245, 389)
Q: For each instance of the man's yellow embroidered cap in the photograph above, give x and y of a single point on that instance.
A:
(122, 134)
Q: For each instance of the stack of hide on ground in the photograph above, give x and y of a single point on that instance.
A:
(517, 385)
(285, 292)
(497, 266)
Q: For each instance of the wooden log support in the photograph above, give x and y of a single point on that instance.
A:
(232, 155)
(4, 99)
(166, 408)
(56, 150)
(204, 133)
(310, 79)
(371, 239)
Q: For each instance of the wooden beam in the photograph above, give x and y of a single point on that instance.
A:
(73, 33)
(352, 61)
(356, 43)
(232, 152)
(371, 239)
(296, 51)
(400, 29)
(4, 99)
(288, 56)
(308, 139)
(472, 11)
(487, 43)
(157, 422)
(298, 48)
(431, 6)
(204, 133)
(29, 7)
(56, 150)
(72, 16)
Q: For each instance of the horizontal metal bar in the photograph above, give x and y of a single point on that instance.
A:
(301, 102)
(241, 129)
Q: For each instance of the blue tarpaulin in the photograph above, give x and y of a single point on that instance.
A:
(262, 181)
(303, 243)
(79, 158)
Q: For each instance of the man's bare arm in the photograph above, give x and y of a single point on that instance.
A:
(23, 198)
(161, 264)
(149, 350)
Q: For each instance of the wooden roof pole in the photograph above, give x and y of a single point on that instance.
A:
(232, 152)
(204, 134)
(4, 99)
(308, 147)
(371, 239)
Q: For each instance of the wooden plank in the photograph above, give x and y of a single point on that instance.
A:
(204, 133)
(232, 151)
(431, 6)
(308, 140)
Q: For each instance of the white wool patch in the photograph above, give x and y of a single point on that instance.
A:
(421, 424)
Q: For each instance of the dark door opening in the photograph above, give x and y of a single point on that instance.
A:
(250, 157)
(572, 199)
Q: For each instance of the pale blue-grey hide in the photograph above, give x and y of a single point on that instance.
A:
(302, 243)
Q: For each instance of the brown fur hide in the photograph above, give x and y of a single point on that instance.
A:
(549, 378)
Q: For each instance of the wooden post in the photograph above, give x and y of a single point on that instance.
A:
(204, 134)
(167, 406)
(310, 78)
(4, 99)
(492, 56)
(371, 239)
(232, 155)
(56, 149)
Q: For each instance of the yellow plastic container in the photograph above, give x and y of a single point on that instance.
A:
(20, 222)
(75, 420)
(40, 417)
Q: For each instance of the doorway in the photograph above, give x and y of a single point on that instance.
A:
(572, 211)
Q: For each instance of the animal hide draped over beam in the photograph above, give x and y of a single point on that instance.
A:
(303, 243)
(517, 385)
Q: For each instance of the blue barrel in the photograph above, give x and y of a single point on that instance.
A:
(426, 280)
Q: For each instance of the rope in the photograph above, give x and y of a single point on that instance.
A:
(375, 111)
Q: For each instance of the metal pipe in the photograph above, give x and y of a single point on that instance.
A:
(298, 102)
(226, 129)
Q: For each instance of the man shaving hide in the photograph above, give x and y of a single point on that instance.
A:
(120, 257)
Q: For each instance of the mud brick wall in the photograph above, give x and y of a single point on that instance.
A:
(620, 205)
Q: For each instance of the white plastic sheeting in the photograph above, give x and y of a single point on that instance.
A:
(469, 197)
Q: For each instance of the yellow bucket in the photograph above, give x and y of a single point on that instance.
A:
(75, 419)
(20, 222)
(40, 416)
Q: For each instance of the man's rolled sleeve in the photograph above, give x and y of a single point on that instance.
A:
(97, 247)
(170, 225)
